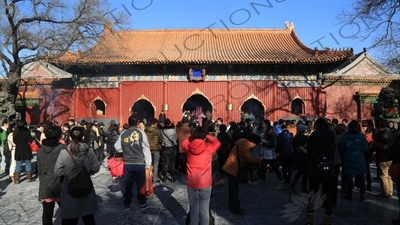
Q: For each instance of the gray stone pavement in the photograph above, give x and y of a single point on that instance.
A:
(19, 205)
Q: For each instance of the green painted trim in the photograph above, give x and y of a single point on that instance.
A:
(368, 99)
(373, 101)
(27, 102)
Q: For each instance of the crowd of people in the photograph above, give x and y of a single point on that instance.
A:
(320, 151)
(208, 154)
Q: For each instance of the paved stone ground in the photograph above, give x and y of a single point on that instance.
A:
(169, 204)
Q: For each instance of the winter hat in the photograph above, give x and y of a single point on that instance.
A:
(301, 128)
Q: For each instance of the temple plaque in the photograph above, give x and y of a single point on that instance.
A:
(197, 74)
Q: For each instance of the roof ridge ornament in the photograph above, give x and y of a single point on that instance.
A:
(289, 25)
(108, 26)
(316, 53)
(365, 51)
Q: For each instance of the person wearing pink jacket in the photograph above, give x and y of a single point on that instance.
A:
(199, 148)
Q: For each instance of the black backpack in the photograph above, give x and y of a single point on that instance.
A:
(81, 184)
(325, 167)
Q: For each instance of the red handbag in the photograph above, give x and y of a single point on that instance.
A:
(34, 146)
(394, 172)
(147, 188)
(116, 166)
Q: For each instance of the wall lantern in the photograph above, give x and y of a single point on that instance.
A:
(165, 107)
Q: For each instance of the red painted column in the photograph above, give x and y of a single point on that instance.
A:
(229, 101)
(274, 115)
(322, 102)
(120, 103)
(165, 98)
(76, 104)
(165, 93)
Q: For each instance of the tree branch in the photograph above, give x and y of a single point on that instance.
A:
(3, 64)
(380, 22)
(5, 58)
(22, 47)
(42, 19)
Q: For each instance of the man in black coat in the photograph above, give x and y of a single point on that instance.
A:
(241, 132)
(162, 117)
(300, 157)
(382, 145)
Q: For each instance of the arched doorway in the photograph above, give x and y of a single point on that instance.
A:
(197, 101)
(143, 110)
(98, 107)
(297, 106)
(254, 107)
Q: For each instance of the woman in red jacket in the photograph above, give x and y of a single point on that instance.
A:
(199, 148)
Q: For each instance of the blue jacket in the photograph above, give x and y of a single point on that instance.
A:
(355, 148)
(285, 143)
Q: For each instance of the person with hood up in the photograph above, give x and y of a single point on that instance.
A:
(355, 147)
(199, 148)
(231, 167)
(50, 184)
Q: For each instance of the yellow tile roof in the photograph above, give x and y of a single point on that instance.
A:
(243, 46)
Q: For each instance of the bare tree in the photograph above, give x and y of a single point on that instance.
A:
(43, 30)
(379, 20)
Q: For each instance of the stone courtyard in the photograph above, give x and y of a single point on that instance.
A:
(169, 204)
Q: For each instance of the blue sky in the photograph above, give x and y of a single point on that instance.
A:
(316, 21)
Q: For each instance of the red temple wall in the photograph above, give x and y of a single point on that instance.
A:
(132, 91)
(219, 93)
(336, 101)
(175, 93)
(340, 103)
(263, 90)
(55, 105)
(366, 110)
(84, 99)
(63, 106)
(312, 97)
